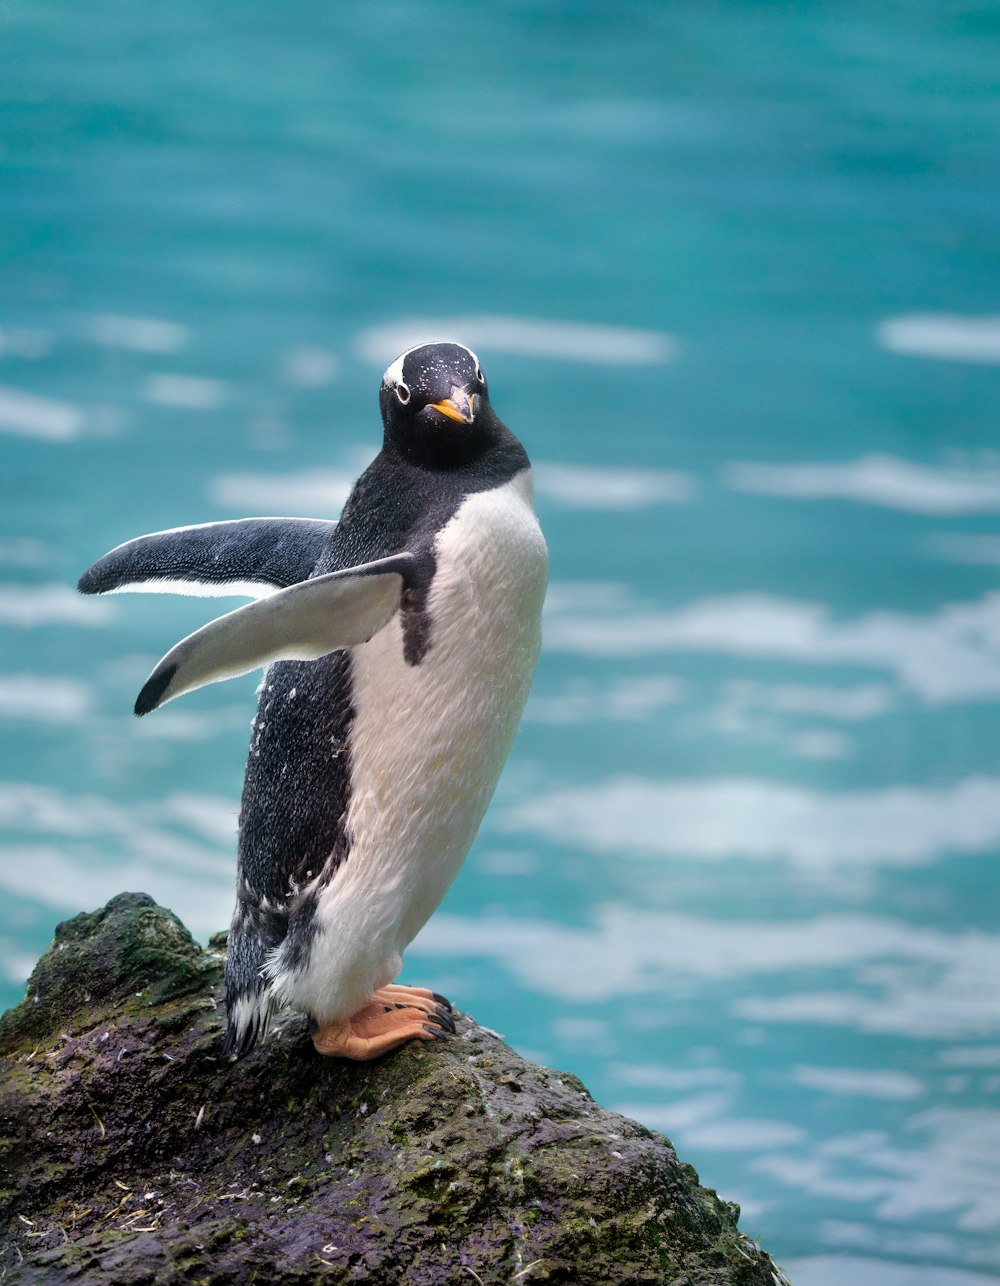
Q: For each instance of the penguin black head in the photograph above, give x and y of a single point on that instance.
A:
(435, 406)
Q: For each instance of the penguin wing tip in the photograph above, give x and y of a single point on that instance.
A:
(153, 690)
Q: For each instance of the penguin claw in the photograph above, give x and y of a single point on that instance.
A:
(397, 994)
(446, 1020)
(443, 1020)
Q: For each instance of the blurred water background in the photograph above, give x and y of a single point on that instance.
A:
(732, 273)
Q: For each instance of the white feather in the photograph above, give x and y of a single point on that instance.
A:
(198, 589)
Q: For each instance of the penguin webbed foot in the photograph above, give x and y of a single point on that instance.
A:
(392, 1017)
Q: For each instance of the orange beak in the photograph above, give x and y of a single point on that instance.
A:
(461, 406)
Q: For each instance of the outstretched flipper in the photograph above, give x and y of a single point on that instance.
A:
(301, 623)
(249, 557)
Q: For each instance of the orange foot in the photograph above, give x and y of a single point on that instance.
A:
(394, 1015)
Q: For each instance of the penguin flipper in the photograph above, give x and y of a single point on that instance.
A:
(249, 557)
(301, 623)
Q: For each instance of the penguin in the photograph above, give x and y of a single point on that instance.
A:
(399, 646)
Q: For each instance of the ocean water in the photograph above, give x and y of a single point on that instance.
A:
(732, 273)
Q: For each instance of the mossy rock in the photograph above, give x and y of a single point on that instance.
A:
(132, 1150)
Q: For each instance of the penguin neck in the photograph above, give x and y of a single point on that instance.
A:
(488, 455)
(397, 504)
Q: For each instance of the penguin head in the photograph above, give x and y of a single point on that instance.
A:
(435, 406)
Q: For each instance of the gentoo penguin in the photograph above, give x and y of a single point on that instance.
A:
(399, 643)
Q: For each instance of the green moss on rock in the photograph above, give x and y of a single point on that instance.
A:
(132, 1151)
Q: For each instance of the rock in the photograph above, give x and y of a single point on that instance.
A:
(132, 1151)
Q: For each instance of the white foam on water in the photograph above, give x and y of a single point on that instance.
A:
(69, 883)
(850, 704)
(27, 343)
(39, 698)
(585, 700)
(583, 486)
(185, 392)
(963, 547)
(951, 1002)
(765, 820)
(309, 366)
(972, 1056)
(179, 849)
(32, 416)
(950, 1169)
(15, 965)
(820, 743)
(864, 1082)
(28, 808)
(315, 493)
(28, 606)
(23, 551)
(951, 654)
(939, 984)
(836, 1270)
(678, 1114)
(742, 1134)
(657, 1076)
(881, 480)
(950, 337)
(524, 336)
(140, 334)
(906, 1242)
(769, 713)
(210, 816)
(706, 1122)
(188, 725)
(584, 1031)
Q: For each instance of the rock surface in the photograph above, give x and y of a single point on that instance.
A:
(131, 1151)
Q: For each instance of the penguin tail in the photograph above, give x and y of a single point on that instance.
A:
(250, 999)
(249, 1016)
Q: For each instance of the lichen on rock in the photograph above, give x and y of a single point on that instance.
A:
(132, 1151)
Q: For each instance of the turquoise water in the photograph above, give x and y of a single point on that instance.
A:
(732, 272)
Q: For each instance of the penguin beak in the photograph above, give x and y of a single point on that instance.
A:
(461, 406)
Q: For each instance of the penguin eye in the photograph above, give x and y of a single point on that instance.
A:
(403, 393)
(479, 375)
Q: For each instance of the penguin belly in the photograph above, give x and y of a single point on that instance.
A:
(428, 743)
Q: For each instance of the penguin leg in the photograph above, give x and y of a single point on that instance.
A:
(393, 1016)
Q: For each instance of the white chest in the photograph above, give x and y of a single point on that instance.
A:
(428, 741)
